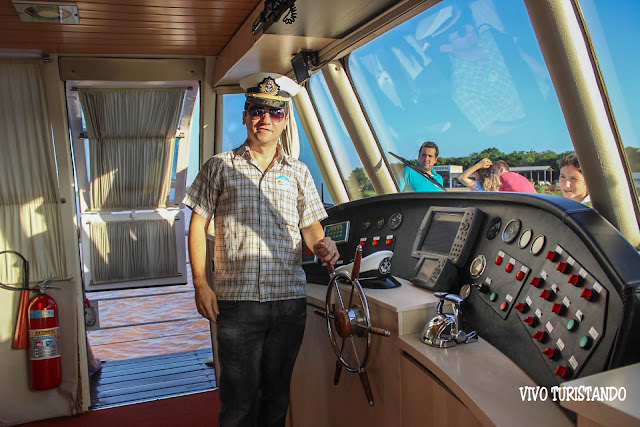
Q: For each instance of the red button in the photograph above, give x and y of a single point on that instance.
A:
(531, 321)
(563, 372)
(547, 294)
(575, 280)
(504, 306)
(375, 242)
(551, 255)
(540, 336)
(551, 353)
(521, 307)
(509, 268)
(557, 308)
(388, 241)
(498, 260)
(537, 281)
(520, 275)
(587, 294)
(563, 267)
(362, 242)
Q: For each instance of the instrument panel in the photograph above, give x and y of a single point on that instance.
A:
(546, 291)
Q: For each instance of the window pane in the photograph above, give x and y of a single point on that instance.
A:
(234, 134)
(349, 164)
(613, 29)
(233, 131)
(194, 143)
(468, 75)
(307, 157)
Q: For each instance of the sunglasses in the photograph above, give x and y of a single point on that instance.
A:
(275, 114)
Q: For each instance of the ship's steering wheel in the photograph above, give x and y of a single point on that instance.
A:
(349, 324)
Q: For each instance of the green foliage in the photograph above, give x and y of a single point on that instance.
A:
(359, 183)
(633, 156)
(515, 158)
(548, 189)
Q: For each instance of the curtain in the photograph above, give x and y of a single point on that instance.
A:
(133, 250)
(290, 139)
(132, 134)
(30, 215)
(131, 144)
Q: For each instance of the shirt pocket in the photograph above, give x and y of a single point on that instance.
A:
(285, 198)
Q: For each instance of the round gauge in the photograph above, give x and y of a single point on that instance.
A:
(477, 266)
(465, 291)
(395, 220)
(511, 230)
(380, 223)
(366, 224)
(494, 228)
(525, 238)
(538, 244)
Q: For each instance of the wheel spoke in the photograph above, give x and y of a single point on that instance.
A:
(339, 295)
(355, 350)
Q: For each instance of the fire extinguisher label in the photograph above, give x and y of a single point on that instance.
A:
(41, 314)
(45, 343)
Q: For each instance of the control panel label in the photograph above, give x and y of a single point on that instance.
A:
(549, 327)
(573, 362)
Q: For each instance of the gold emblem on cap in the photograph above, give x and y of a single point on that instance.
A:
(269, 86)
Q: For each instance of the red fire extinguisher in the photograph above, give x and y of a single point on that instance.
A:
(44, 342)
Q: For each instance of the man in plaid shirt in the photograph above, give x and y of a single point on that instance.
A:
(262, 201)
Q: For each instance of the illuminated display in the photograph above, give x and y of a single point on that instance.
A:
(338, 232)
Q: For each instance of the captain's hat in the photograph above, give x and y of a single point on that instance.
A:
(270, 89)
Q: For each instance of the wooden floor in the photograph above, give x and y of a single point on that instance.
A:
(168, 390)
(151, 378)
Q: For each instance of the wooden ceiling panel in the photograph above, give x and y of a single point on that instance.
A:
(146, 27)
(219, 31)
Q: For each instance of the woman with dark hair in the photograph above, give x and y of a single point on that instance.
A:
(572, 181)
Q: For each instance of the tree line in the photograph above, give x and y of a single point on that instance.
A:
(528, 158)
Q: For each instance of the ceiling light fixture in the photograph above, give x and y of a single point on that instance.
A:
(60, 13)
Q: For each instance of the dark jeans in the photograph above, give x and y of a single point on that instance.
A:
(257, 347)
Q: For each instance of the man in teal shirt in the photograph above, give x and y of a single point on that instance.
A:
(411, 180)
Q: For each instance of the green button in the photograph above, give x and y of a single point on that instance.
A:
(585, 342)
(493, 297)
(572, 325)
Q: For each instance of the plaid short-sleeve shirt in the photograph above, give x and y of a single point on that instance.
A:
(257, 217)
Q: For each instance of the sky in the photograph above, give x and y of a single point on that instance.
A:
(415, 89)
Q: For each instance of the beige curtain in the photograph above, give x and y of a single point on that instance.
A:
(132, 134)
(289, 139)
(29, 198)
(131, 145)
(133, 250)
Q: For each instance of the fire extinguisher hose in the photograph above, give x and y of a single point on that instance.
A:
(20, 336)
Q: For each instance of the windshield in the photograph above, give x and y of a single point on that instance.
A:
(469, 77)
